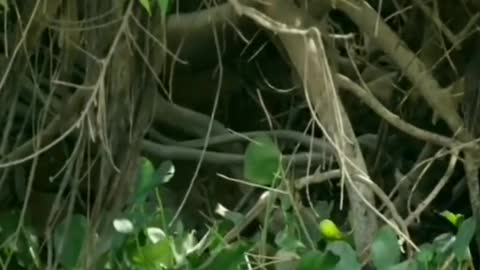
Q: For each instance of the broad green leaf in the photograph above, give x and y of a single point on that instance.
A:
(164, 6)
(69, 239)
(147, 5)
(406, 265)
(464, 236)
(315, 260)
(149, 178)
(262, 161)
(385, 249)
(348, 256)
(228, 258)
(425, 254)
(287, 240)
(155, 256)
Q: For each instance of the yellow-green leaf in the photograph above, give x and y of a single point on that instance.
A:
(455, 219)
(155, 256)
(147, 5)
(164, 6)
(330, 231)
(385, 249)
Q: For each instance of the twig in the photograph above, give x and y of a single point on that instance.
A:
(436, 190)
(390, 117)
(416, 71)
(317, 178)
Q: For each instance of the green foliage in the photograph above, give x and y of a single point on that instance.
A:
(143, 241)
(348, 257)
(425, 255)
(164, 5)
(70, 238)
(147, 5)
(262, 161)
(157, 255)
(228, 258)
(330, 231)
(385, 249)
(464, 236)
(454, 219)
(316, 260)
(149, 178)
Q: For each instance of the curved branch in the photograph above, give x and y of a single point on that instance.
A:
(390, 117)
(183, 153)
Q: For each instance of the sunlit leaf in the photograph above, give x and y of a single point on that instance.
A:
(164, 6)
(149, 178)
(330, 231)
(4, 4)
(464, 236)
(385, 249)
(454, 219)
(147, 5)
(123, 225)
(262, 161)
(155, 234)
(70, 237)
(155, 256)
(164, 173)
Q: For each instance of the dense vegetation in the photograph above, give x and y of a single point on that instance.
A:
(239, 134)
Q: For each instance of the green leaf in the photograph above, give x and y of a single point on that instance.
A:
(385, 249)
(4, 4)
(164, 173)
(454, 219)
(147, 5)
(406, 265)
(330, 231)
(464, 236)
(164, 6)
(425, 254)
(315, 260)
(155, 256)
(287, 240)
(348, 257)
(235, 217)
(149, 178)
(9, 222)
(228, 258)
(262, 161)
(69, 239)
